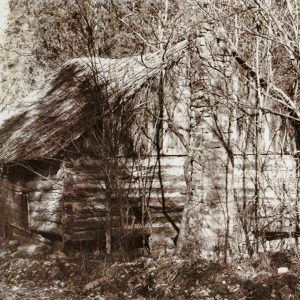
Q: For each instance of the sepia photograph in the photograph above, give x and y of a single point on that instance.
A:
(149, 149)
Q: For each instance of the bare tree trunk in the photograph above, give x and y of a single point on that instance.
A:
(108, 239)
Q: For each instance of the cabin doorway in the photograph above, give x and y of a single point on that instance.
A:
(24, 205)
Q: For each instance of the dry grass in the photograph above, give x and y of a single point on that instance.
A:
(78, 276)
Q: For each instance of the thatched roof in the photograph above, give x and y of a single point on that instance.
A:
(63, 109)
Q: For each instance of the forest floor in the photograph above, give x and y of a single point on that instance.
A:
(38, 272)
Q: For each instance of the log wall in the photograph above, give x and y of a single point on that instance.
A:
(145, 208)
(72, 202)
(266, 196)
(32, 200)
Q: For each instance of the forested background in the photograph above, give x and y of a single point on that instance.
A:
(42, 35)
(258, 89)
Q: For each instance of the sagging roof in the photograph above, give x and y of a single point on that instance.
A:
(51, 118)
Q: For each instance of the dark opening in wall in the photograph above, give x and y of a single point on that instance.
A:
(25, 210)
(53, 237)
(29, 170)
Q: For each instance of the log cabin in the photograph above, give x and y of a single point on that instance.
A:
(79, 161)
(111, 150)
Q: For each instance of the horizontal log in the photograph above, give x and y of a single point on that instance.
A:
(81, 236)
(46, 226)
(166, 160)
(277, 235)
(50, 205)
(83, 193)
(163, 220)
(84, 206)
(168, 209)
(69, 218)
(74, 227)
(45, 216)
(42, 185)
